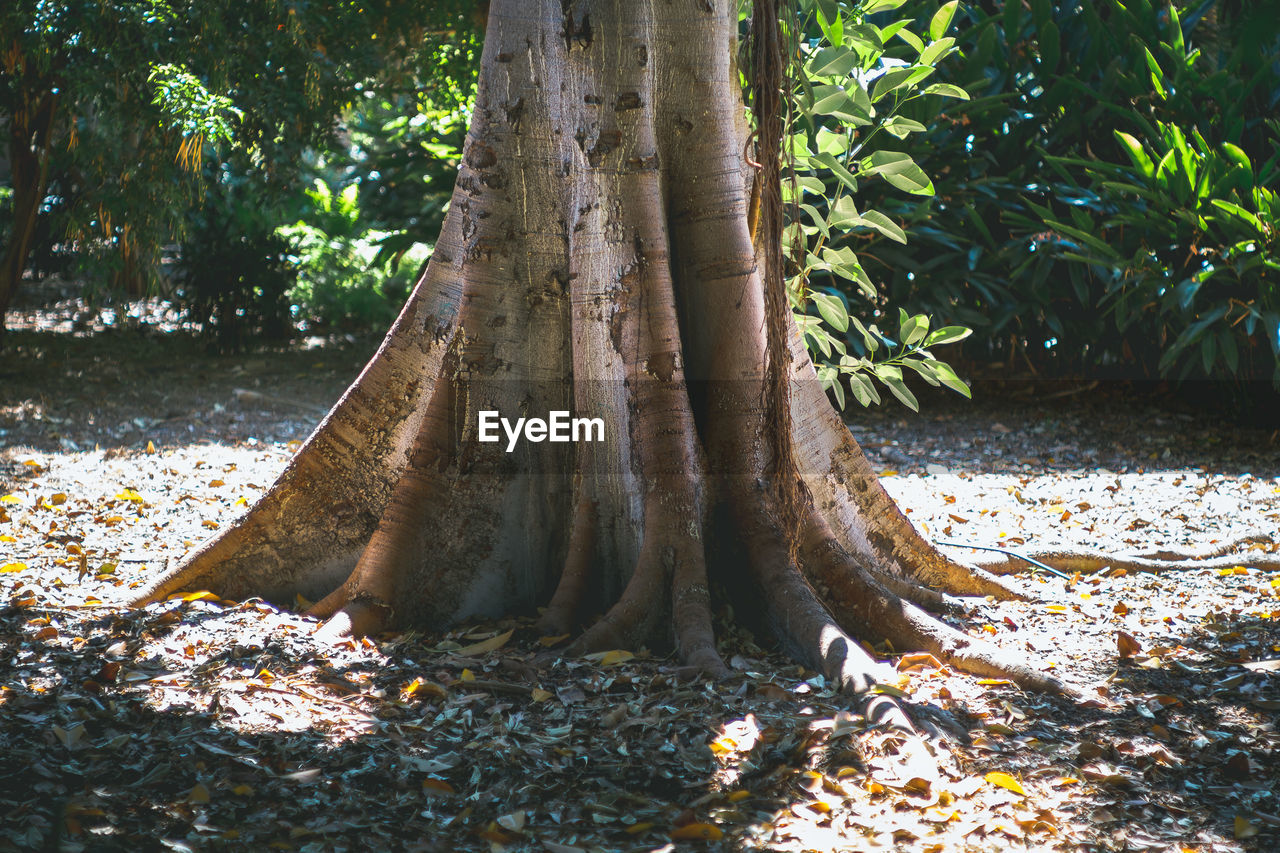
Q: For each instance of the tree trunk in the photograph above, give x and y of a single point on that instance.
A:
(29, 130)
(596, 259)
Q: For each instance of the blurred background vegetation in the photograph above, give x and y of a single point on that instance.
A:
(1103, 202)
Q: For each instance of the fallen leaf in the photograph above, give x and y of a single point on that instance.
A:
(1245, 828)
(439, 787)
(1127, 645)
(1004, 780)
(13, 567)
(198, 793)
(697, 832)
(485, 646)
(611, 658)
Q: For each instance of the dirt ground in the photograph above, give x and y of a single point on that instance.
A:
(199, 723)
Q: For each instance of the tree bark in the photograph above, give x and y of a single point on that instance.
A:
(596, 258)
(29, 130)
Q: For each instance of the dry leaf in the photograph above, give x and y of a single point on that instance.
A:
(485, 646)
(610, 658)
(1004, 780)
(1245, 828)
(1127, 645)
(697, 832)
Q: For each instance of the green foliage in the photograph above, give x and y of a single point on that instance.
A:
(338, 282)
(132, 95)
(851, 120)
(1094, 197)
(234, 272)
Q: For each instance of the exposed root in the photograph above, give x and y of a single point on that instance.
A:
(862, 603)
(561, 615)
(1088, 561)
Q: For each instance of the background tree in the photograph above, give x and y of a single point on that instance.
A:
(112, 108)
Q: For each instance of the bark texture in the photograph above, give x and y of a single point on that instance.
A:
(596, 258)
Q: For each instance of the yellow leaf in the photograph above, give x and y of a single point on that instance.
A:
(198, 794)
(241, 502)
(637, 828)
(1004, 780)
(7, 538)
(202, 595)
(466, 675)
(216, 483)
(13, 567)
(548, 642)
(739, 796)
(610, 658)
(1245, 828)
(58, 498)
(151, 448)
(210, 523)
(10, 499)
(539, 695)
(431, 785)
(420, 688)
(243, 790)
(485, 646)
(889, 690)
(697, 832)
(1234, 570)
(129, 495)
(995, 682)
(1056, 608)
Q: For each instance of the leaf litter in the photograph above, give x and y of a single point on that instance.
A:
(199, 723)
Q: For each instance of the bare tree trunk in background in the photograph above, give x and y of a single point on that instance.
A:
(29, 129)
(596, 258)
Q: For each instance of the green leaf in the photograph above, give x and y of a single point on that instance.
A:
(936, 51)
(913, 329)
(881, 6)
(886, 226)
(834, 61)
(1050, 47)
(863, 391)
(831, 142)
(900, 126)
(947, 335)
(844, 214)
(947, 376)
(837, 102)
(1137, 154)
(942, 19)
(832, 310)
(899, 170)
(891, 80)
(947, 90)
(892, 377)
(827, 161)
(818, 219)
(917, 44)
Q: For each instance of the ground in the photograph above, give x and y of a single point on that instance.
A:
(199, 724)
